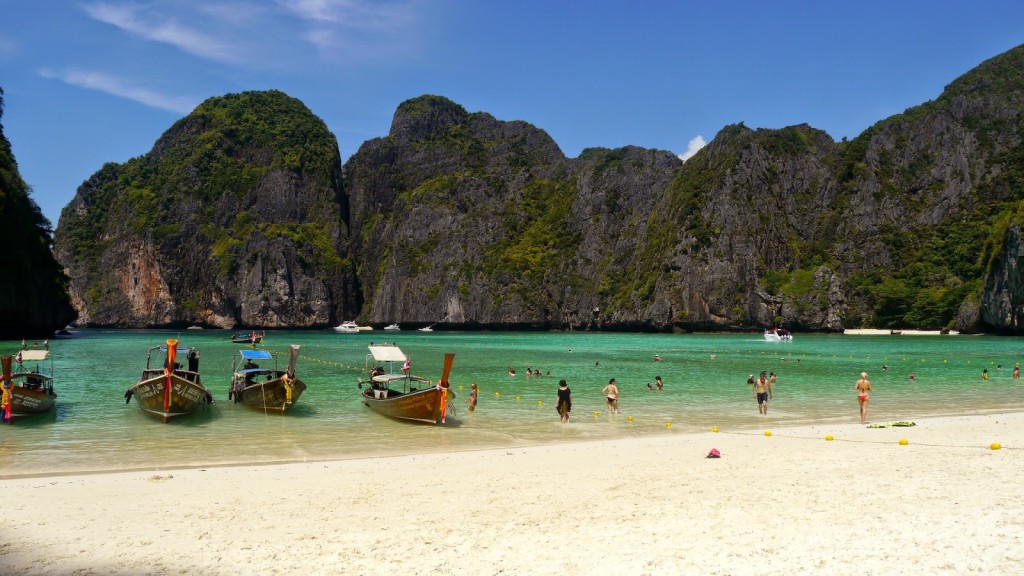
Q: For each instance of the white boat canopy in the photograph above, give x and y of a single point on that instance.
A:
(387, 353)
(34, 355)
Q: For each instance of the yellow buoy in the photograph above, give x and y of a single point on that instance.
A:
(767, 432)
(497, 393)
(540, 402)
(903, 441)
(519, 398)
(596, 413)
(630, 419)
(668, 424)
(715, 429)
(829, 438)
(996, 445)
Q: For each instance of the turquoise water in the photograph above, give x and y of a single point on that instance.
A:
(705, 385)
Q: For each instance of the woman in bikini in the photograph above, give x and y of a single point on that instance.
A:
(863, 388)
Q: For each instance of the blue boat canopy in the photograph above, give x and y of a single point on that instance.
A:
(255, 354)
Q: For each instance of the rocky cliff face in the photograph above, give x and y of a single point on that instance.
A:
(763, 227)
(237, 217)
(33, 298)
(464, 219)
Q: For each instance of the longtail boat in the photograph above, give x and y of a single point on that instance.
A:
(252, 337)
(399, 394)
(26, 392)
(265, 387)
(168, 391)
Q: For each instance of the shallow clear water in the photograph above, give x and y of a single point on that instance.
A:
(705, 377)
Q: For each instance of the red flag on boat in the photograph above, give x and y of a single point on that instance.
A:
(406, 366)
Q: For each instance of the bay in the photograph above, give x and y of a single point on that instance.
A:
(94, 430)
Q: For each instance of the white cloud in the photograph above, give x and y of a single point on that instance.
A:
(106, 83)
(158, 28)
(261, 34)
(695, 145)
(349, 23)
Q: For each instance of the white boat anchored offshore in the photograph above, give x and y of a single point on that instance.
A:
(427, 328)
(778, 335)
(350, 327)
(392, 327)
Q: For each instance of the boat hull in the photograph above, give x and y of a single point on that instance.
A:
(270, 396)
(25, 402)
(419, 406)
(186, 395)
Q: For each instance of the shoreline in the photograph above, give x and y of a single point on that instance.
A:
(680, 430)
(787, 503)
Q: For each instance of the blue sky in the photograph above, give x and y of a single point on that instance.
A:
(93, 81)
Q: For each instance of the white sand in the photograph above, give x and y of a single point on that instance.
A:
(791, 503)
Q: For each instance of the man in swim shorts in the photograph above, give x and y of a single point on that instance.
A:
(763, 392)
(611, 392)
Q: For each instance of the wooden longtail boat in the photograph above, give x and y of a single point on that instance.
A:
(253, 337)
(265, 388)
(401, 395)
(167, 391)
(26, 393)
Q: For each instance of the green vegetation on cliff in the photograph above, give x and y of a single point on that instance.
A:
(250, 183)
(33, 293)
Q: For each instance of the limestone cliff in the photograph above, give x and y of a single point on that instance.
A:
(236, 217)
(464, 219)
(242, 215)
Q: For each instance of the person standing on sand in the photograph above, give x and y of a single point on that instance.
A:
(863, 388)
(611, 392)
(763, 393)
(564, 401)
(474, 395)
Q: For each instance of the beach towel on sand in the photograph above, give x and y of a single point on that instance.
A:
(901, 424)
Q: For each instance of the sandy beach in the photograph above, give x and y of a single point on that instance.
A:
(788, 503)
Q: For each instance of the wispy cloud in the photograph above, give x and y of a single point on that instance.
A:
(336, 23)
(122, 88)
(694, 146)
(156, 27)
(260, 34)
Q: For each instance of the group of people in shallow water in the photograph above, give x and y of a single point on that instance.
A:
(763, 391)
(564, 394)
(529, 372)
(762, 387)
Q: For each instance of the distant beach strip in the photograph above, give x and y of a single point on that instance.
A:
(897, 332)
